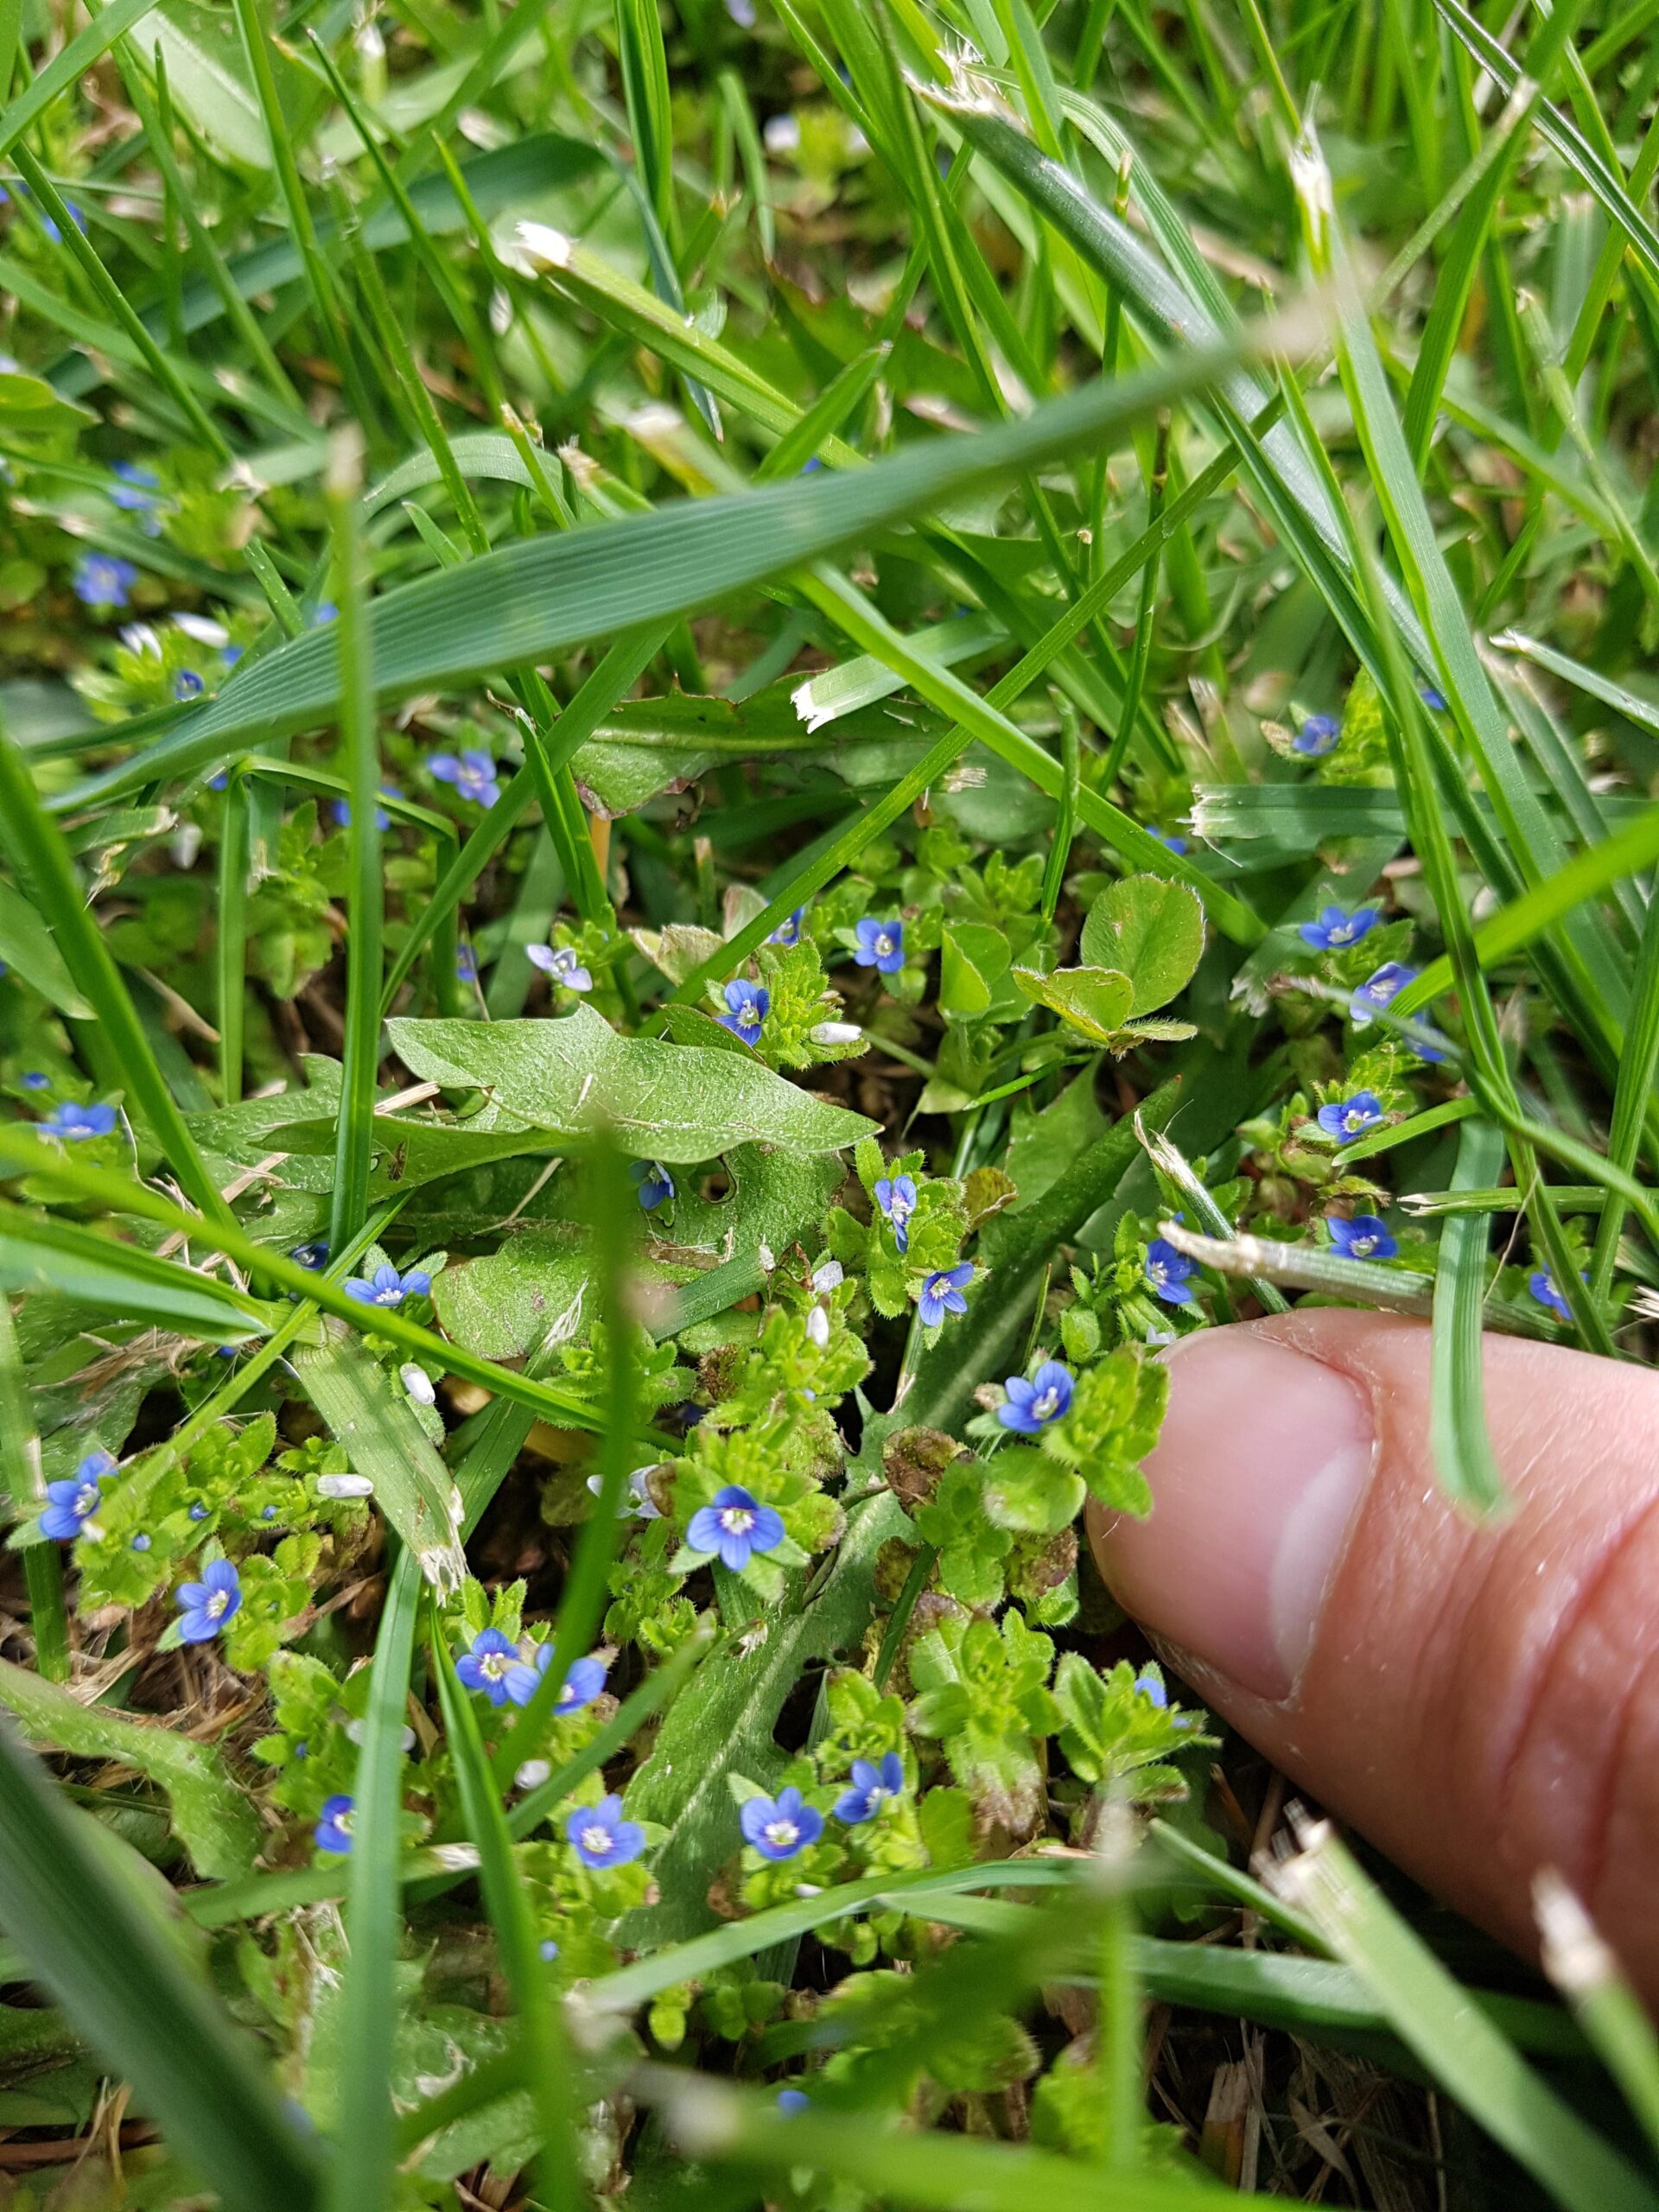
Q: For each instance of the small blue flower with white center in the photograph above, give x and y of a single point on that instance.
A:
(1345, 1119)
(880, 945)
(746, 1008)
(488, 1665)
(1365, 1237)
(599, 1835)
(780, 1827)
(72, 1502)
(896, 1196)
(735, 1526)
(198, 1510)
(1335, 927)
(873, 1787)
(1380, 990)
(74, 1124)
(205, 1606)
(386, 1286)
(580, 1686)
(560, 962)
(789, 932)
(1148, 1686)
(472, 773)
(135, 488)
(1032, 1406)
(187, 685)
(1169, 1272)
(1317, 736)
(941, 1294)
(311, 1256)
(140, 1541)
(333, 1830)
(1541, 1284)
(103, 580)
(34, 1080)
(656, 1183)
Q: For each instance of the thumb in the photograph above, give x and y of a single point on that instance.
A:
(1480, 1699)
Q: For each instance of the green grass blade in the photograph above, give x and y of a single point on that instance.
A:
(93, 1939)
(361, 2171)
(1457, 1432)
(22, 1491)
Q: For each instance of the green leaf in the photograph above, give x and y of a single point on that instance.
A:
(35, 418)
(1026, 1489)
(1094, 1002)
(673, 1102)
(26, 944)
(49, 1254)
(207, 77)
(371, 1419)
(1152, 930)
(974, 957)
(213, 1815)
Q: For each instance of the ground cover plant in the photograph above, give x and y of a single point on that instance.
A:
(736, 743)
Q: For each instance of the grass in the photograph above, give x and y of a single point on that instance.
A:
(843, 469)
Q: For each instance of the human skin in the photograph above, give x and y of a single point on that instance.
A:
(1478, 1699)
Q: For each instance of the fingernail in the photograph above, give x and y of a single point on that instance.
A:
(1263, 1458)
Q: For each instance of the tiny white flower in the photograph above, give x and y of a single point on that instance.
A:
(827, 1275)
(817, 1325)
(835, 1033)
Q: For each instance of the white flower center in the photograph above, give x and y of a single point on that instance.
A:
(216, 1604)
(597, 1840)
(493, 1664)
(737, 1520)
(343, 1822)
(1047, 1405)
(883, 943)
(1363, 1246)
(781, 1833)
(86, 1498)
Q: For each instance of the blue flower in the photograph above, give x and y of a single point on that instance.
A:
(334, 1829)
(1317, 736)
(560, 963)
(75, 1123)
(1031, 1406)
(1170, 841)
(789, 932)
(1379, 989)
(735, 1525)
(472, 773)
(341, 809)
(71, 1503)
(1432, 697)
(748, 1007)
(1169, 1272)
(34, 1080)
(781, 1826)
(313, 1255)
(656, 1183)
(896, 1196)
(790, 2101)
(1365, 1237)
(488, 1665)
(136, 487)
(187, 684)
(872, 1786)
(140, 1541)
(387, 1287)
(322, 613)
(880, 945)
(1335, 927)
(1345, 1119)
(1541, 1283)
(101, 580)
(547, 1950)
(602, 1837)
(580, 1686)
(1148, 1685)
(465, 964)
(941, 1294)
(205, 1606)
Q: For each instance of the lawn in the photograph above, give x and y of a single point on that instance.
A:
(725, 729)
